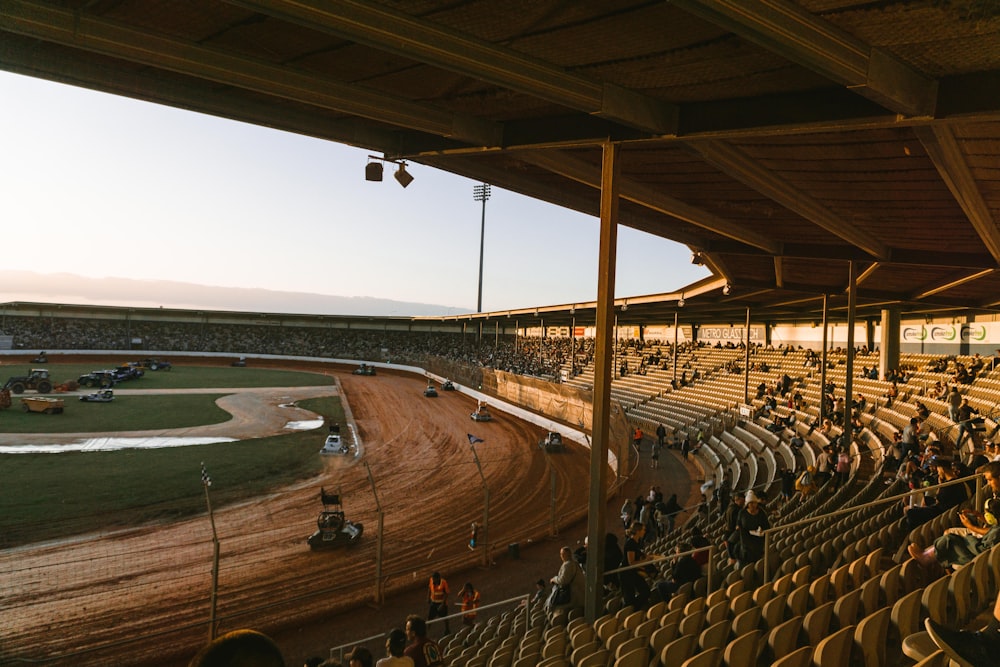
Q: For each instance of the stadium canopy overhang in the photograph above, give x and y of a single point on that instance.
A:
(779, 142)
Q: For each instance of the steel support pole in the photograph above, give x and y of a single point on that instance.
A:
(675, 347)
(481, 193)
(822, 361)
(603, 355)
(746, 361)
(852, 300)
(379, 514)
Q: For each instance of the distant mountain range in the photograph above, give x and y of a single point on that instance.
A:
(72, 289)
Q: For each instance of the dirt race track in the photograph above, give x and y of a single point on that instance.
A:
(84, 601)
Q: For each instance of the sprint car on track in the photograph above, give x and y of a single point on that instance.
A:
(482, 413)
(552, 442)
(332, 528)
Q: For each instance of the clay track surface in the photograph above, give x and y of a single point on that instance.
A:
(85, 601)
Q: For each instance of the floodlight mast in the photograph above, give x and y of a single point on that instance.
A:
(481, 193)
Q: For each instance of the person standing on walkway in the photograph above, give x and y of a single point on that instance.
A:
(470, 602)
(661, 435)
(637, 439)
(437, 599)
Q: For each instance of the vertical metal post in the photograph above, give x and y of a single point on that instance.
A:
(597, 507)
(746, 361)
(675, 346)
(541, 340)
(614, 369)
(481, 193)
(767, 559)
(206, 482)
(379, 592)
(822, 361)
(852, 299)
(486, 509)
(552, 497)
(572, 346)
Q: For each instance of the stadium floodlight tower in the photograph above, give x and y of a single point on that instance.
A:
(481, 193)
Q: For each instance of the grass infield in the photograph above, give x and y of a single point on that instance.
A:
(54, 496)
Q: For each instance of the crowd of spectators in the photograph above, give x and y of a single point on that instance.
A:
(545, 357)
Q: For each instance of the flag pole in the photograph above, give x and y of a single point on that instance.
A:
(206, 482)
(486, 509)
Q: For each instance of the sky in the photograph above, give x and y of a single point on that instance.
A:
(103, 186)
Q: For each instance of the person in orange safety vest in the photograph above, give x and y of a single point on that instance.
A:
(470, 601)
(437, 599)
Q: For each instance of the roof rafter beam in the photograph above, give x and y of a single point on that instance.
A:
(948, 158)
(791, 250)
(951, 284)
(786, 29)
(740, 166)
(643, 195)
(395, 32)
(77, 30)
(196, 96)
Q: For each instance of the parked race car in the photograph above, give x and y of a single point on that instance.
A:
(101, 379)
(430, 391)
(552, 442)
(127, 372)
(482, 413)
(154, 364)
(102, 396)
(448, 386)
(240, 363)
(332, 528)
(364, 369)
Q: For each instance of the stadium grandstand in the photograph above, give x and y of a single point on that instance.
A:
(832, 163)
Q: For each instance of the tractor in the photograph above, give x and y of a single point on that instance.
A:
(37, 379)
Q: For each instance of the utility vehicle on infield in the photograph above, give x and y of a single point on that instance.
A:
(37, 379)
(49, 406)
(332, 529)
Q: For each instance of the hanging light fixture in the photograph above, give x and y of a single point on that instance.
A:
(402, 175)
(373, 170)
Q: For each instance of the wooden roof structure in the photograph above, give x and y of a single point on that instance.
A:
(780, 141)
